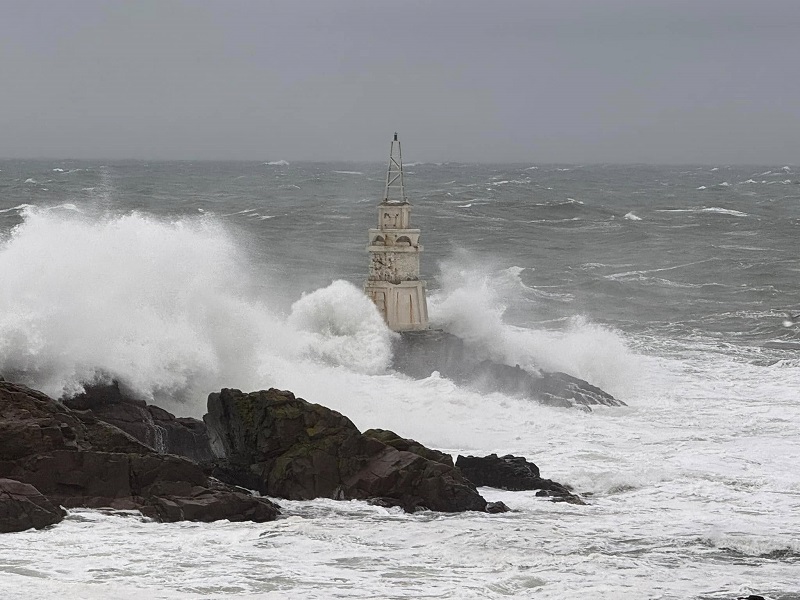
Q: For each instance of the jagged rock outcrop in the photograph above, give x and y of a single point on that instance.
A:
(284, 446)
(77, 460)
(513, 473)
(151, 425)
(23, 507)
(390, 438)
(419, 353)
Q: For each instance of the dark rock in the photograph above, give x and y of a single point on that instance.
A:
(390, 438)
(151, 425)
(23, 507)
(513, 473)
(506, 472)
(284, 446)
(561, 495)
(496, 507)
(419, 353)
(77, 460)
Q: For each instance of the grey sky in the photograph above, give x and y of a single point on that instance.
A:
(675, 81)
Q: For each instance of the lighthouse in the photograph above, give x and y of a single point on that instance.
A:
(394, 284)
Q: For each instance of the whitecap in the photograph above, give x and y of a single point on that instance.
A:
(724, 211)
(751, 181)
(19, 207)
(724, 184)
(277, 163)
(30, 180)
(349, 172)
(465, 205)
(57, 170)
(632, 217)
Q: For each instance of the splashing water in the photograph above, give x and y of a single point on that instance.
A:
(162, 305)
(471, 305)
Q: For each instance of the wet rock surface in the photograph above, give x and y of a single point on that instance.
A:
(390, 438)
(23, 507)
(160, 430)
(419, 353)
(76, 460)
(513, 473)
(284, 446)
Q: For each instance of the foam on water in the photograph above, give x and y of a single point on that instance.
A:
(693, 487)
(472, 301)
(343, 327)
(163, 305)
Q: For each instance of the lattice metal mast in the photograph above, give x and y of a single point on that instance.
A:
(395, 191)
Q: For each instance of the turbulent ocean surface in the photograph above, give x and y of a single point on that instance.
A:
(665, 286)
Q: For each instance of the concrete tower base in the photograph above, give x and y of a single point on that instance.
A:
(402, 304)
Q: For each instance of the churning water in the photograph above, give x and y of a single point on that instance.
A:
(666, 286)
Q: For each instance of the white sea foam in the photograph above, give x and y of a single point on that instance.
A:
(162, 305)
(349, 172)
(30, 180)
(724, 211)
(343, 327)
(277, 163)
(18, 208)
(632, 217)
(471, 304)
(697, 476)
(167, 307)
(702, 187)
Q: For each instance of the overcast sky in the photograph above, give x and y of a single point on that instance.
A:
(659, 81)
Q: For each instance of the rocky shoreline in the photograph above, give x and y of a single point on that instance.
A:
(419, 353)
(105, 449)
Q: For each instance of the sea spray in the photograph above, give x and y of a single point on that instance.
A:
(168, 307)
(162, 305)
(471, 304)
(341, 326)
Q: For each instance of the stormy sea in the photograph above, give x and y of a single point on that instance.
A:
(668, 287)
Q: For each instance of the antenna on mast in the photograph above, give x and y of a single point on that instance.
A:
(395, 191)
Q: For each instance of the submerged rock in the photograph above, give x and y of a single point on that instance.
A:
(513, 473)
(419, 353)
(160, 430)
(284, 446)
(23, 507)
(77, 460)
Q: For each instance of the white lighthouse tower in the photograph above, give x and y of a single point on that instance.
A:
(393, 284)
